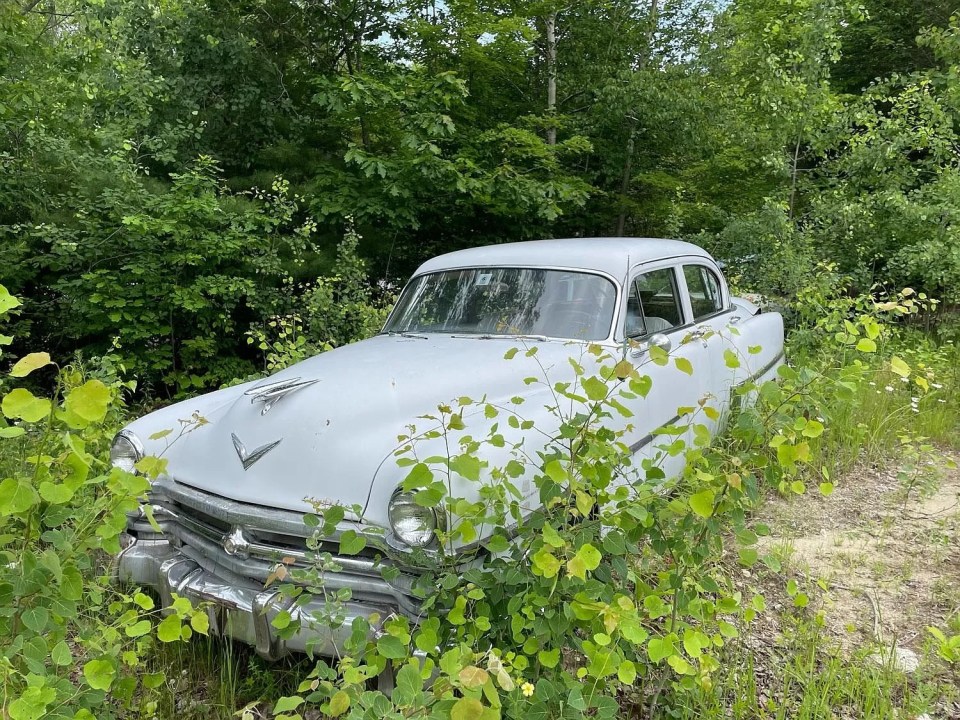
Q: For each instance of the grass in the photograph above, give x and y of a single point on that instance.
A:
(814, 681)
(213, 679)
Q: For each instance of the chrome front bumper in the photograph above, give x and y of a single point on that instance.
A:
(241, 611)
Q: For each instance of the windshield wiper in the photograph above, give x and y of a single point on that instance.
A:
(394, 333)
(487, 336)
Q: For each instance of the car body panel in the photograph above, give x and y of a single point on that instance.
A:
(328, 429)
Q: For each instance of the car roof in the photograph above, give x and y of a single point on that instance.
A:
(611, 255)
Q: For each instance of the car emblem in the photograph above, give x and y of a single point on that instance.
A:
(248, 459)
(272, 393)
(235, 543)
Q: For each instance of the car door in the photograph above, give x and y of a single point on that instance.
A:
(710, 313)
(742, 347)
(656, 313)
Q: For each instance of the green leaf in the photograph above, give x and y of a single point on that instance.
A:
(552, 537)
(29, 363)
(138, 629)
(587, 558)
(594, 388)
(339, 703)
(549, 658)
(7, 301)
(627, 672)
(32, 705)
(89, 401)
(16, 496)
(352, 542)
(684, 365)
(36, 619)
(658, 355)
(466, 709)
(287, 704)
(61, 655)
(391, 647)
(826, 489)
(55, 494)
(100, 673)
(419, 476)
(730, 359)
(169, 629)
(726, 629)
(200, 622)
(546, 563)
(555, 471)
(466, 465)
(660, 648)
(702, 503)
(866, 345)
(20, 403)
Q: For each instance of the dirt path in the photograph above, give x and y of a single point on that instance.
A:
(889, 555)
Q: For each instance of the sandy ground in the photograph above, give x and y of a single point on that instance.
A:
(879, 559)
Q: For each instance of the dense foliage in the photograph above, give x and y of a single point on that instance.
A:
(193, 192)
(176, 172)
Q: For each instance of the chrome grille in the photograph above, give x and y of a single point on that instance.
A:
(198, 523)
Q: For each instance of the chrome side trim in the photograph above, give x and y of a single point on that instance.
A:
(763, 371)
(649, 437)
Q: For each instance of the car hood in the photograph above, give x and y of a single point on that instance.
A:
(334, 436)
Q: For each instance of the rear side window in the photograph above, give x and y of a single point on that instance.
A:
(653, 305)
(704, 287)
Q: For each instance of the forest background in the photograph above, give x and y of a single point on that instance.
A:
(176, 176)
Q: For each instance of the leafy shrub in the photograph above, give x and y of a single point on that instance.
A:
(332, 311)
(69, 641)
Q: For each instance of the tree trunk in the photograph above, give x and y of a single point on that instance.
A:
(624, 187)
(628, 161)
(552, 77)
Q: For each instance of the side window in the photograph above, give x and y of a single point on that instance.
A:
(704, 287)
(653, 305)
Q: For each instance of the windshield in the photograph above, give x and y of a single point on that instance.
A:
(507, 301)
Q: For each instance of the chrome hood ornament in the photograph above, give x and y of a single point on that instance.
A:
(249, 458)
(271, 393)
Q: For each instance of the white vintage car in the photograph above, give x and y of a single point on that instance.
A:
(232, 499)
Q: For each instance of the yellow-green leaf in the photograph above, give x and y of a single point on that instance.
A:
(89, 401)
(466, 709)
(702, 503)
(21, 403)
(29, 363)
(900, 367)
(472, 677)
(100, 673)
(866, 345)
(339, 703)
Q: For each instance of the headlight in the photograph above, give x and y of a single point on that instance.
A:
(126, 451)
(412, 524)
